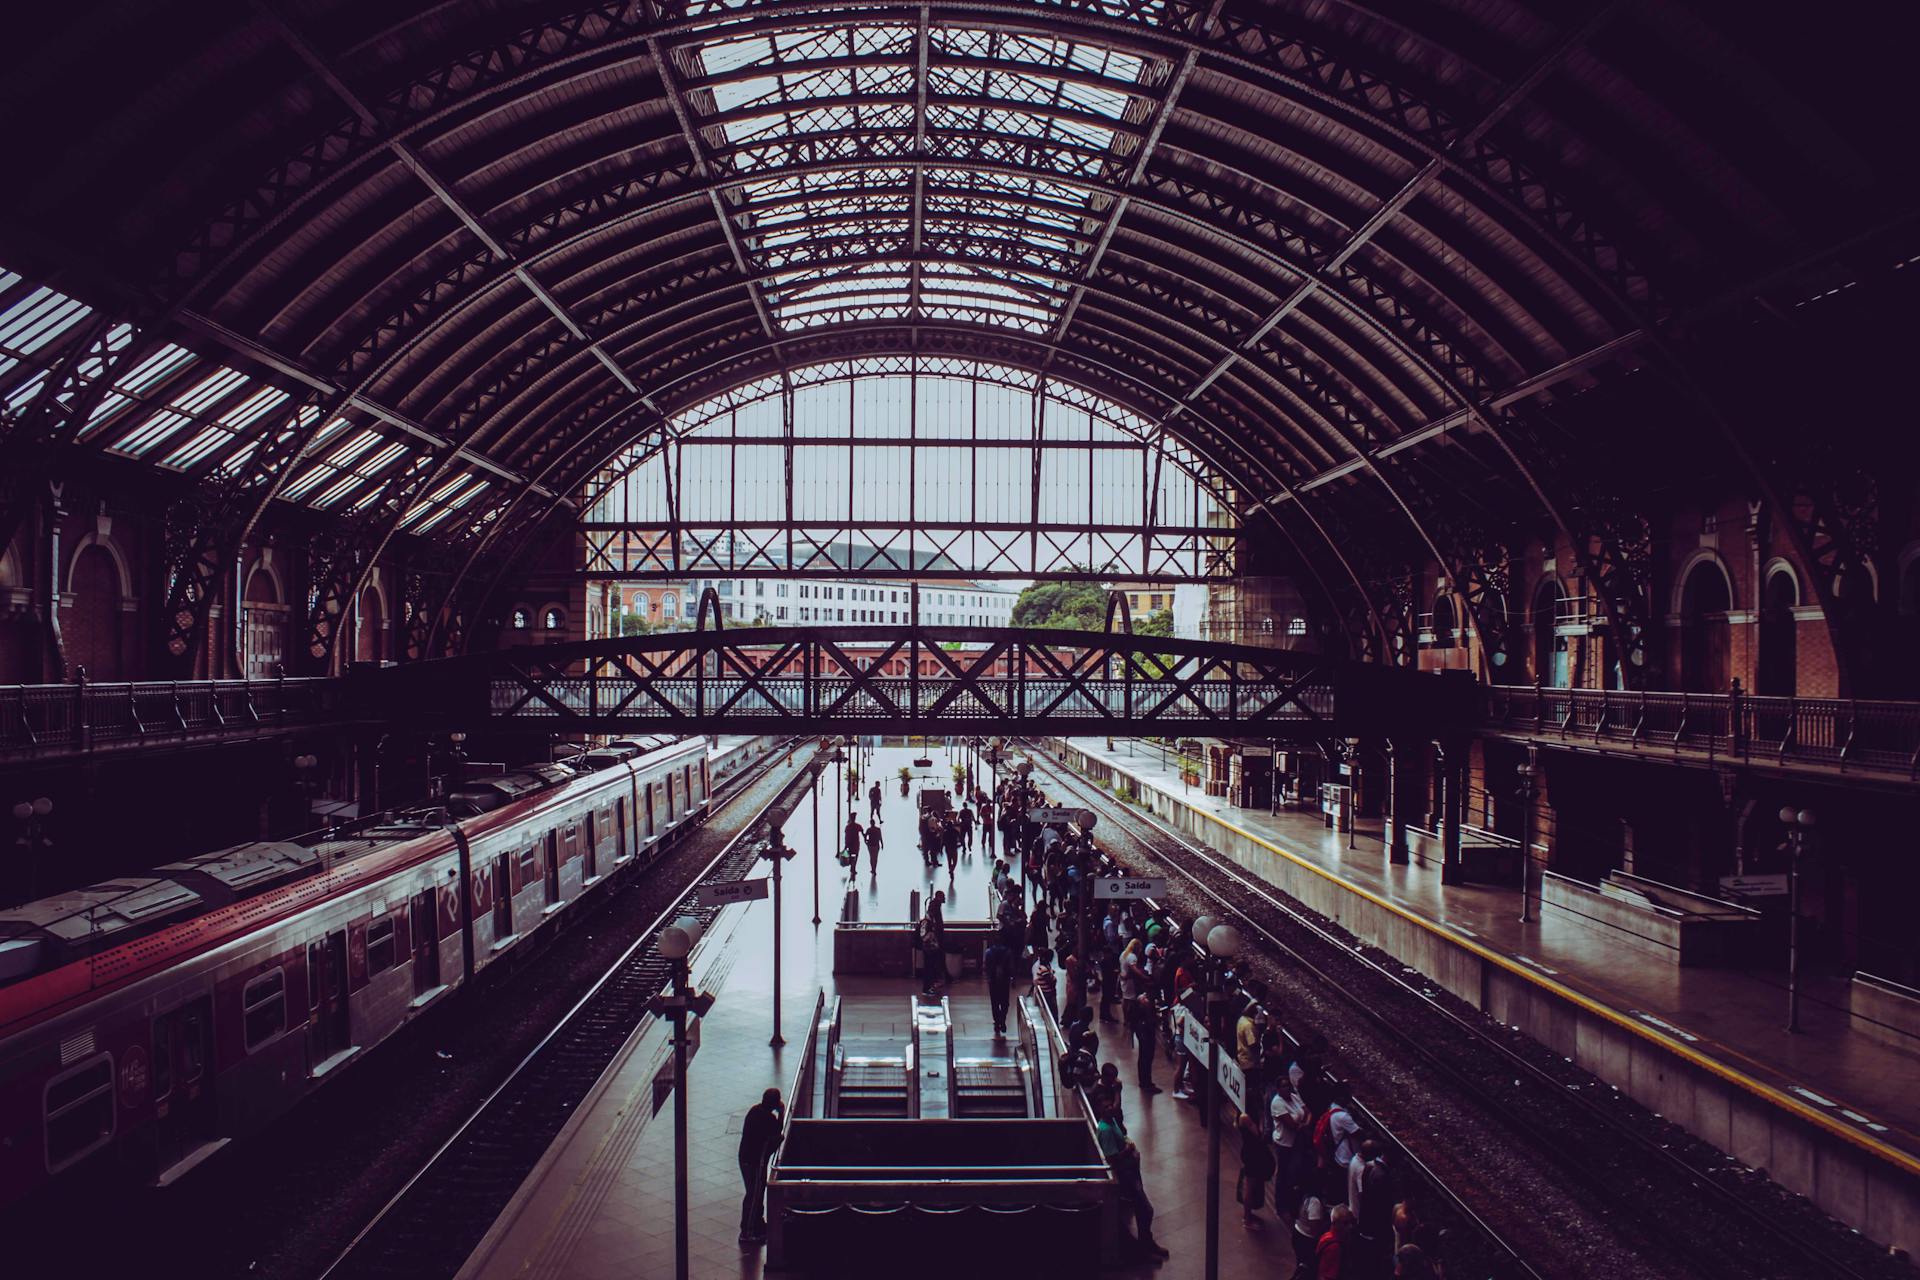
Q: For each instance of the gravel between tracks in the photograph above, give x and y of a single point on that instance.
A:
(1653, 1220)
(283, 1203)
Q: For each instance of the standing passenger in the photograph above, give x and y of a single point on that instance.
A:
(759, 1136)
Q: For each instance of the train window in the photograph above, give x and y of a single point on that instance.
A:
(529, 866)
(316, 967)
(380, 946)
(193, 1048)
(79, 1112)
(263, 1008)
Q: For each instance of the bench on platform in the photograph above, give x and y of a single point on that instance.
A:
(1885, 1011)
(1662, 920)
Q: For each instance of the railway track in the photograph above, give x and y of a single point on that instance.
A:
(432, 1223)
(1708, 1218)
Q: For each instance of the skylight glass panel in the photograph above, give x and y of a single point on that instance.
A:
(179, 413)
(997, 237)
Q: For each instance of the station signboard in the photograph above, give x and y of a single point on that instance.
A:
(1117, 888)
(735, 890)
(1773, 885)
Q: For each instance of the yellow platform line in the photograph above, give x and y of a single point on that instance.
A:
(1713, 1066)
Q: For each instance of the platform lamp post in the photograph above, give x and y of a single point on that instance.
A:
(1529, 773)
(1799, 824)
(1222, 943)
(675, 944)
(31, 815)
(778, 852)
(459, 740)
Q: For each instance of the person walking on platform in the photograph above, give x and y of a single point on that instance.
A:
(950, 838)
(853, 837)
(873, 802)
(998, 962)
(985, 806)
(966, 825)
(874, 842)
(759, 1136)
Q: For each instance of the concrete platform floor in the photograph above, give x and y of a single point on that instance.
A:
(601, 1207)
(1735, 1016)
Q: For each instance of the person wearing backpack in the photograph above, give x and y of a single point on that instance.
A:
(998, 962)
(1334, 1146)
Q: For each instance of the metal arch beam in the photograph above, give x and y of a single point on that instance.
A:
(1389, 209)
(1385, 331)
(349, 569)
(922, 39)
(1288, 62)
(704, 166)
(1177, 79)
(1187, 336)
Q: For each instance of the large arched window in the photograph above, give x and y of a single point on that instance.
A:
(891, 467)
(1777, 672)
(91, 625)
(1705, 599)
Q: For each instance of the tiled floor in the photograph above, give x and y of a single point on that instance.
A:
(1737, 1016)
(601, 1208)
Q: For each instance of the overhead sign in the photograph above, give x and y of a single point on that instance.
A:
(735, 891)
(1115, 888)
(1082, 818)
(1772, 885)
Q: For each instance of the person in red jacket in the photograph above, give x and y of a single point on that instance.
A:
(1331, 1260)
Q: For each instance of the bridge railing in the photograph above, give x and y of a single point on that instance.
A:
(1841, 733)
(56, 719)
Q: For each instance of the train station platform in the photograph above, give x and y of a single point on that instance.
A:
(599, 1206)
(1830, 1112)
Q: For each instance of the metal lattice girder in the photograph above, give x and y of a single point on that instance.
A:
(893, 679)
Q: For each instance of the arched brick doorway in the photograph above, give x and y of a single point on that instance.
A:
(91, 625)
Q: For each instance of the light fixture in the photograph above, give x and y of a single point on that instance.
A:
(678, 939)
(1201, 927)
(1223, 942)
(456, 737)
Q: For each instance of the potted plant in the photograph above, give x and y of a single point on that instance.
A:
(906, 778)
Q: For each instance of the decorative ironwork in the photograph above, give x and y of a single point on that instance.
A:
(900, 680)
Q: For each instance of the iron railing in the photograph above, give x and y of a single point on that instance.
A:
(60, 719)
(1836, 733)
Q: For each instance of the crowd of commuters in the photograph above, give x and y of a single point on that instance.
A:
(1304, 1156)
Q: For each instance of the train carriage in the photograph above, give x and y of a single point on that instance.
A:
(154, 1019)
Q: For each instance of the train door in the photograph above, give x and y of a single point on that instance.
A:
(327, 1030)
(502, 896)
(619, 828)
(591, 866)
(553, 867)
(182, 1086)
(650, 827)
(426, 941)
(667, 786)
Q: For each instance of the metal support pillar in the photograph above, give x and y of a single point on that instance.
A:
(1397, 852)
(1453, 788)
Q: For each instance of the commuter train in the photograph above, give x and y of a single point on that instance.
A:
(154, 1019)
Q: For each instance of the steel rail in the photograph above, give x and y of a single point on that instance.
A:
(1553, 1144)
(641, 943)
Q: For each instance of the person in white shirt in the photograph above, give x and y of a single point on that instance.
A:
(1289, 1116)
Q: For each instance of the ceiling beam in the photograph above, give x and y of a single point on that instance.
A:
(922, 40)
(1390, 208)
(1466, 417)
(442, 192)
(292, 368)
(1117, 209)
